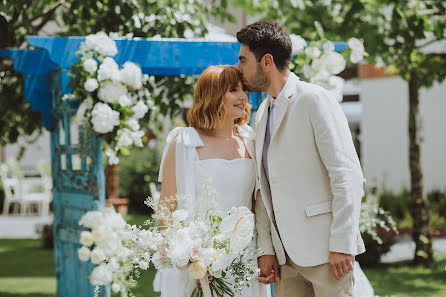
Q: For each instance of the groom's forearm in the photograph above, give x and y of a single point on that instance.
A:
(263, 227)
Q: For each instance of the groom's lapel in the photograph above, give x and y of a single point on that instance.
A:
(282, 103)
(260, 131)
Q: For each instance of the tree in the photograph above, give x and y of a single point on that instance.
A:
(397, 34)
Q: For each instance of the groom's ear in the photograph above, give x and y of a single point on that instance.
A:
(267, 62)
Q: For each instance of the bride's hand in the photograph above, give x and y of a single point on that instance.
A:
(197, 282)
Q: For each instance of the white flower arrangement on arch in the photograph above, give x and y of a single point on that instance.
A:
(318, 62)
(113, 101)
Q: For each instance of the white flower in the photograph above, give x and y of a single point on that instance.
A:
(83, 253)
(333, 62)
(180, 215)
(357, 47)
(307, 71)
(101, 275)
(131, 75)
(86, 238)
(82, 109)
(97, 256)
(91, 84)
(108, 70)
(336, 87)
(197, 270)
(143, 265)
(90, 65)
(239, 225)
(114, 264)
(140, 109)
(104, 118)
(116, 288)
(133, 124)
(101, 43)
(298, 44)
(111, 91)
(328, 46)
(313, 52)
(196, 254)
(112, 158)
(321, 78)
(125, 138)
(125, 101)
(209, 256)
(92, 219)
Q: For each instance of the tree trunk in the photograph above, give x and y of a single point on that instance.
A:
(112, 186)
(421, 233)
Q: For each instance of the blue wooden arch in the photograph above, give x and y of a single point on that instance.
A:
(76, 191)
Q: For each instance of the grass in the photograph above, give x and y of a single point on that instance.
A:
(27, 270)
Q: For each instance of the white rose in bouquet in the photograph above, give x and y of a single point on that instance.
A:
(90, 65)
(111, 91)
(298, 44)
(101, 275)
(131, 75)
(83, 253)
(108, 70)
(140, 109)
(91, 85)
(86, 238)
(104, 118)
(101, 43)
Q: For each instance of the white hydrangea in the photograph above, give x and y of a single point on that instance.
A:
(131, 75)
(140, 109)
(108, 70)
(101, 43)
(125, 101)
(104, 118)
(298, 44)
(91, 85)
(112, 91)
(90, 65)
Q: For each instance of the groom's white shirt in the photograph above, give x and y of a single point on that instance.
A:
(311, 203)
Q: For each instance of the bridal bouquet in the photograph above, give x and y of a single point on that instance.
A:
(112, 99)
(206, 244)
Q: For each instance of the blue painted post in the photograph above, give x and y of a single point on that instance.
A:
(76, 190)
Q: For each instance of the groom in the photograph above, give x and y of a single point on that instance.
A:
(310, 179)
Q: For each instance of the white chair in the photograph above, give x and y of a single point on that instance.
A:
(23, 192)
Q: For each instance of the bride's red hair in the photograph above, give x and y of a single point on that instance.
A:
(208, 110)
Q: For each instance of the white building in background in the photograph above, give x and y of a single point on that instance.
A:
(385, 138)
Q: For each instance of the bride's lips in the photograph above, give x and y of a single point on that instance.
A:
(240, 106)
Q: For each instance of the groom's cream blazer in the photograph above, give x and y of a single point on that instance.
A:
(311, 203)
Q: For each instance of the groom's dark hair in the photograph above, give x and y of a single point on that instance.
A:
(267, 37)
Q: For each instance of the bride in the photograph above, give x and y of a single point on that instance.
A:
(217, 146)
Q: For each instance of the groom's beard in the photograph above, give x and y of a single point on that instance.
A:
(259, 82)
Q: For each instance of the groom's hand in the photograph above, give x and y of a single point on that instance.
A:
(269, 269)
(341, 264)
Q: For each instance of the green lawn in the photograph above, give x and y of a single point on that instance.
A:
(28, 271)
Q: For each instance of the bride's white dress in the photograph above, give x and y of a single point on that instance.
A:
(234, 181)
